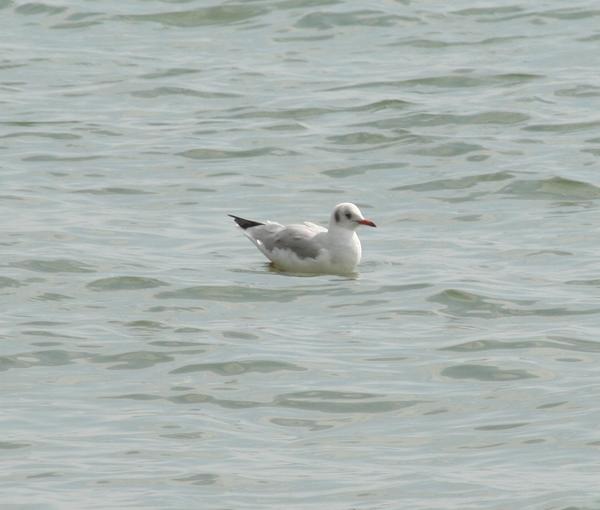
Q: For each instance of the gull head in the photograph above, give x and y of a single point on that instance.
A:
(348, 216)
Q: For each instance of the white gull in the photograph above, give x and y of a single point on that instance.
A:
(310, 248)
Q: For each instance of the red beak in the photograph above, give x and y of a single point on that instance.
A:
(367, 222)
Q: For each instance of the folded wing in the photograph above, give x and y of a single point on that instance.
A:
(275, 240)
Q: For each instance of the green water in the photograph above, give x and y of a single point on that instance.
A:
(150, 358)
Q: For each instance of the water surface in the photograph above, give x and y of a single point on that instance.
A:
(151, 359)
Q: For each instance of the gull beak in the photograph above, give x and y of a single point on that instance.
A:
(367, 222)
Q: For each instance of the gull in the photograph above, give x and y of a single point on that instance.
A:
(310, 248)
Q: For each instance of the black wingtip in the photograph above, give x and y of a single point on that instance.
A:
(245, 223)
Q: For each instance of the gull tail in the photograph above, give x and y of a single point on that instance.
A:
(245, 223)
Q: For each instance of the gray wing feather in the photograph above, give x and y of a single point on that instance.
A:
(297, 238)
(298, 242)
(300, 239)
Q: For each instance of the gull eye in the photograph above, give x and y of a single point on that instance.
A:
(348, 215)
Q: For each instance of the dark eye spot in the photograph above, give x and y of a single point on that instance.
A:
(337, 216)
(348, 215)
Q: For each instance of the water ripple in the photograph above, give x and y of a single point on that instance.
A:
(564, 128)
(487, 373)
(340, 402)
(553, 342)
(431, 119)
(448, 81)
(462, 303)
(9, 282)
(552, 188)
(448, 150)
(125, 283)
(372, 18)
(238, 367)
(489, 11)
(467, 182)
(54, 266)
(47, 358)
(230, 154)
(34, 8)
(132, 360)
(236, 293)
(351, 171)
(114, 191)
(221, 15)
(181, 91)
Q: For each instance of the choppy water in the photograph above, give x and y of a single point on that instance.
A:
(150, 358)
